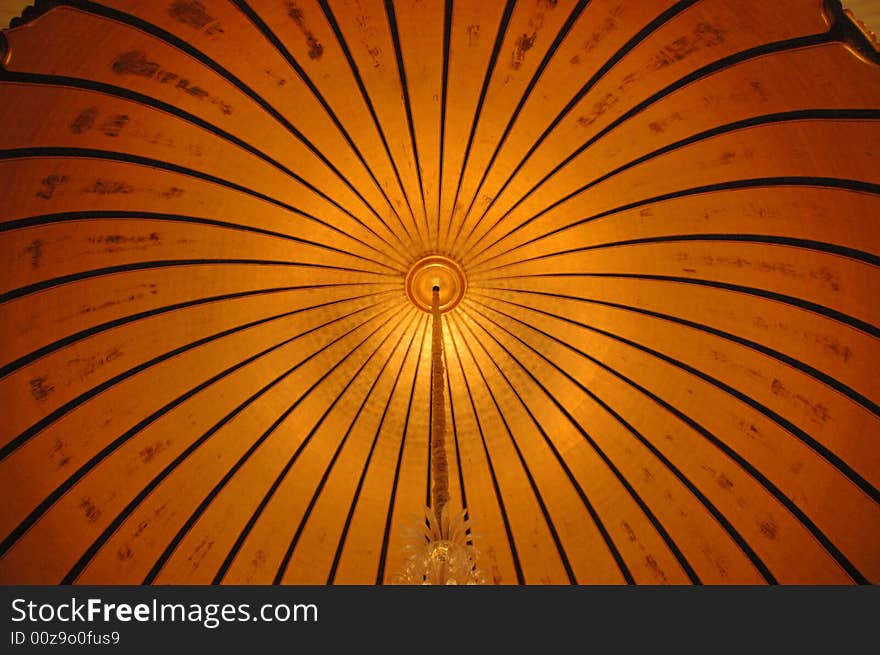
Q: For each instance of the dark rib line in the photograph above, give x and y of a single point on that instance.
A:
(337, 31)
(108, 325)
(705, 71)
(716, 441)
(447, 36)
(461, 485)
(655, 522)
(149, 101)
(808, 244)
(282, 49)
(551, 51)
(182, 45)
(288, 555)
(140, 266)
(35, 515)
(827, 312)
(227, 563)
(389, 515)
(501, 506)
(767, 119)
(60, 217)
(732, 532)
(221, 573)
(835, 384)
(732, 185)
(594, 515)
(203, 506)
(560, 548)
(357, 492)
(870, 490)
(108, 532)
(401, 70)
(168, 166)
(487, 78)
(646, 31)
(84, 397)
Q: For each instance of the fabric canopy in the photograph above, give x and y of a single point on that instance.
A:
(663, 368)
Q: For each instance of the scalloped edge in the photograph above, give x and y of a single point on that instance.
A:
(32, 12)
(29, 15)
(852, 32)
(843, 24)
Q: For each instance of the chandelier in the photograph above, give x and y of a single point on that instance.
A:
(440, 550)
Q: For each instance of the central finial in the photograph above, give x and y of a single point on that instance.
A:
(435, 273)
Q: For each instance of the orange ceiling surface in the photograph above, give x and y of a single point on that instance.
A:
(664, 367)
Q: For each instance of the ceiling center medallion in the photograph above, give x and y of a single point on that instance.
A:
(438, 271)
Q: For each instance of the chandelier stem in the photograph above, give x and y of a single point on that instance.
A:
(439, 464)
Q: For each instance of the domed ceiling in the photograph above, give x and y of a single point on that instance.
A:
(663, 366)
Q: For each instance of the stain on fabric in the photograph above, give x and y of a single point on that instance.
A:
(113, 126)
(315, 48)
(826, 277)
(90, 509)
(171, 193)
(196, 557)
(655, 569)
(190, 12)
(135, 62)
(40, 388)
(119, 242)
(599, 108)
(834, 346)
(59, 454)
(137, 293)
(49, 185)
(84, 120)
(375, 54)
(35, 251)
(473, 32)
(87, 366)
(608, 101)
(705, 35)
(758, 88)
(724, 482)
(296, 14)
(816, 411)
(660, 126)
(192, 90)
(524, 43)
(608, 25)
(280, 81)
(147, 454)
(768, 529)
(109, 187)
